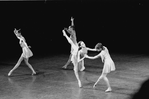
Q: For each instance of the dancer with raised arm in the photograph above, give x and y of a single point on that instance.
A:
(72, 33)
(25, 55)
(82, 52)
(74, 58)
(108, 64)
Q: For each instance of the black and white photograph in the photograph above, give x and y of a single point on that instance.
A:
(74, 49)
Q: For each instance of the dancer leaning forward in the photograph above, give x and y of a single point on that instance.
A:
(108, 64)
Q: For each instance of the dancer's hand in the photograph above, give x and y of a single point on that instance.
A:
(72, 18)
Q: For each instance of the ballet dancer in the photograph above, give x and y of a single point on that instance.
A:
(72, 33)
(74, 54)
(108, 64)
(83, 51)
(25, 55)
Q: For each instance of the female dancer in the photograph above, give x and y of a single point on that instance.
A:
(25, 55)
(74, 60)
(83, 51)
(108, 64)
(72, 33)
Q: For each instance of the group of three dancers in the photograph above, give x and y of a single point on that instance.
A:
(78, 50)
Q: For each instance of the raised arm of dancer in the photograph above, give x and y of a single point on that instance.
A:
(69, 40)
(16, 31)
(72, 21)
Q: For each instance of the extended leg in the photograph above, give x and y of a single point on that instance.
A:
(76, 73)
(98, 81)
(68, 62)
(29, 65)
(16, 66)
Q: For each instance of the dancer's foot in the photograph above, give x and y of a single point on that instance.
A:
(64, 67)
(82, 69)
(108, 90)
(34, 73)
(9, 73)
(94, 86)
(80, 85)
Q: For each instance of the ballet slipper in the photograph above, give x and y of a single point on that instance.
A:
(79, 83)
(94, 86)
(82, 69)
(34, 73)
(108, 90)
(9, 73)
(64, 67)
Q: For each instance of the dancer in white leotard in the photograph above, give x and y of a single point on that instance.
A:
(25, 55)
(108, 64)
(83, 51)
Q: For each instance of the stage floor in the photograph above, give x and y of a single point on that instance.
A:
(53, 82)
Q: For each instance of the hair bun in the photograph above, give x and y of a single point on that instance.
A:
(98, 46)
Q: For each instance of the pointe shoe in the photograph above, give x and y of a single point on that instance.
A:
(34, 73)
(9, 74)
(94, 86)
(108, 90)
(64, 67)
(82, 69)
(80, 84)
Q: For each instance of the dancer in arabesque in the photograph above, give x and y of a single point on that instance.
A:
(108, 64)
(27, 53)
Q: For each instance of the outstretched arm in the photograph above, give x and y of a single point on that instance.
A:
(94, 57)
(90, 49)
(90, 57)
(86, 56)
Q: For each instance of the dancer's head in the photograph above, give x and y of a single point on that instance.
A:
(70, 29)
(99, 47)
(81, 44)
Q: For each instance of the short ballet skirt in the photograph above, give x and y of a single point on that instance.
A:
(74, 58)
(26, 52)
(108, 66)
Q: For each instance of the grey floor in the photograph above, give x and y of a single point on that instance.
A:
(52, 82)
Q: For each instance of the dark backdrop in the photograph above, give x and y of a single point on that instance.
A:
(122, 26)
